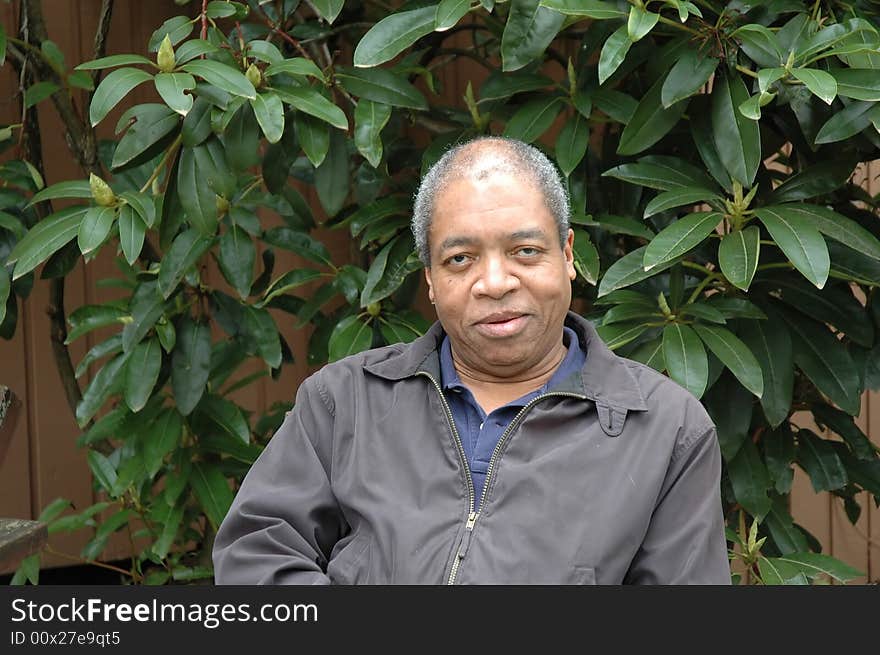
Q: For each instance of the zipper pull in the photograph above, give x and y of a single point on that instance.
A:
(468, 532)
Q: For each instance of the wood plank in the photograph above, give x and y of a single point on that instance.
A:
(19, 539)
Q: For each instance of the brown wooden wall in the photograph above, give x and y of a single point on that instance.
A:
(43, 462)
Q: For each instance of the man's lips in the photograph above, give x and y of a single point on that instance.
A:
(504, 324)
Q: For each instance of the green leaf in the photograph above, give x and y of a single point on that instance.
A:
(225, 417)
(176, 28)
(299, 242)
(760, 44)
(394, 34)
(856, 83)
(738, 255)
(91, 317)
(821, 84)
(69, 189)
(849, 264)
(351, 335)
(198, 197)
(814, 564)
(270, 115)
(380, 85)
(799, 240)
(295, 66)
(737, 139)
(102, 469)
(571, 145)
(750, 481)
(211, 488)
(131, 233)
(146, 308)
(369, 119)
(503, 85)
(680, 237)
(817, 180)
(290, 281)
(185, 251)
(261, 331)
(629, 312)
(171, 87)
(388, 270)
(586, 257)
(114, 88)
(236, 259)
(314, 137)
(328, 9)
(533, 119)
(242, 139)
(735, 307)
(114, 60)
(687, 76)
(449, 12)
(826, 362)
(620, 334)
(95, 227)
(844, 425)
(848, 122)
(377, 211)
(39, 92)
(597, 9)
(660, 172)
(161, 437)
(685, 357)
(310, 101)
(190, 364)
(776, 572)
(105, 382)
(141, 373)
(650, 354)
(222, 76)
(44, 239)
(835, 305)
(613, 53)
(837, 227)
(678, 197)
(703, 311)
(397, 330)
(529, 30)
(640, 22)
(53, 510)
(616, 225)
(150, 132)
(779, 454)
(701, 135)
(192, 49)
(628, 270)
(332, 177)
(821, 463)
(735, 355)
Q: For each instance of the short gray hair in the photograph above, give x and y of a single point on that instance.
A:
(477, 159)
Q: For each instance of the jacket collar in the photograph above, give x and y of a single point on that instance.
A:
(605, 378)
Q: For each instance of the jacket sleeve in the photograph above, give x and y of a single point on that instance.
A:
(285, 520)
(685, 542)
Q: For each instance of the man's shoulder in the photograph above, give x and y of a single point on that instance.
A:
(662, 394)
(352, 366)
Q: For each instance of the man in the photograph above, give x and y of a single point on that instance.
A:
(506, 445)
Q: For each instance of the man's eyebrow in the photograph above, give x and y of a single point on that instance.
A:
(523, 235)
(454, 242)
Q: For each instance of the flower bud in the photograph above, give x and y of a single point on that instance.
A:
(222, 205)
(165, 59)
(373, 309)
(254, 75)
(101, 191)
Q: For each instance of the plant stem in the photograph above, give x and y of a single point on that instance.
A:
(678, 26)
(746, 71)
(74, 558)
(169, 154)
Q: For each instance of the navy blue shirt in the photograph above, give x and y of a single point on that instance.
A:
(480, 432)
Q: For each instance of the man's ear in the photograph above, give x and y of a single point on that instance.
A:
(427, 271)
(568, 252)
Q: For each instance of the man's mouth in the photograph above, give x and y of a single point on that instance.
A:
(501, 324)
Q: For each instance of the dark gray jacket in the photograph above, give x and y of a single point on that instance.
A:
(612, 477)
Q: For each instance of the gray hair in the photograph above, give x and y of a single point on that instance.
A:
(477, 160)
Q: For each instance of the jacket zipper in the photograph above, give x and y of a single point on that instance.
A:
(465, 542)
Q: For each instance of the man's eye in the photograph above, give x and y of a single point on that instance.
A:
(457, 259)
(528, 251)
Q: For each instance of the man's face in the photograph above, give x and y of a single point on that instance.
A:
(498, 277)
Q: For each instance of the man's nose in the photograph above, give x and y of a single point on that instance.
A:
(496, 278)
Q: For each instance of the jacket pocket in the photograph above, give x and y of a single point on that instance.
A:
(583, 575)
(344, 567)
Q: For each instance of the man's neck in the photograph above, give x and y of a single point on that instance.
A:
(493, 390)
